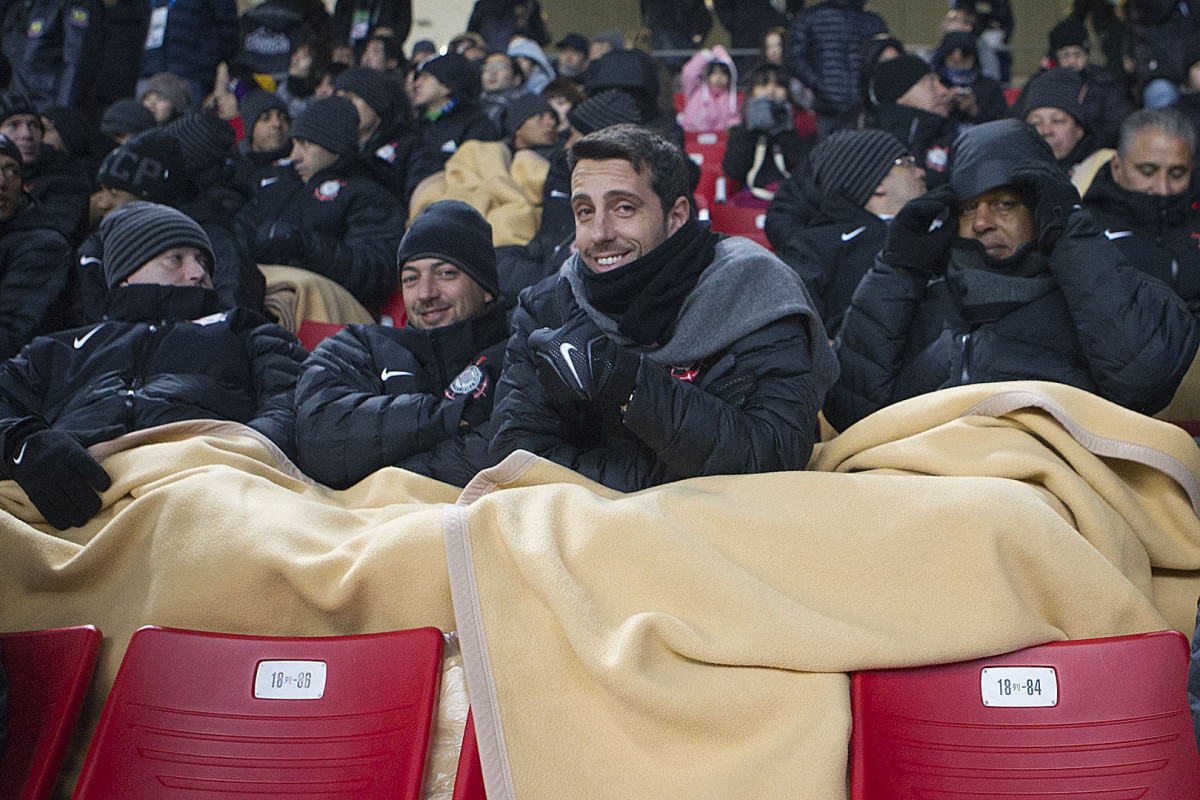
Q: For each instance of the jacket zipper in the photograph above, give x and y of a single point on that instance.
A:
(964, 342)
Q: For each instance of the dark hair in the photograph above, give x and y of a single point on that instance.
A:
(392, 51)
(767, 72)
(643, 149)
(565, 88)
(713, 66)
(321, 54)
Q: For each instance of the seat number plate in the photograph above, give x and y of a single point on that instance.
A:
(289, 680)
(1019, 687)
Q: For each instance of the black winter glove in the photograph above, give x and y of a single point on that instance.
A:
(59, 475)
(1053, 198)
(278, 243)
(920, 234)
(578, 362)
(772, 117)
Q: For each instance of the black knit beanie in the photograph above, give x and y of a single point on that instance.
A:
(150, 165)
(610, 107)
(1055, 88)
(206, 140)
(73, 128)
(523, 107)
(9, 148)
(369, 84)
(854, 163)
(454, 71)
(12, 104)
(126, 116)
(891, 79)
(139, 232)
(455, 232)
(257, 102)
(1067, 33)
(332, 123)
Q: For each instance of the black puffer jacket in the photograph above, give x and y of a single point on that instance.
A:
(1100, 325)
(372, 397)
(1158, 235)
(61, 192)
(434, 141)
(354, 225)
(833, 254)
(749, 406)
(926, 135)
(148, 365)
(35, 261)
(825, 53)
(53, 46)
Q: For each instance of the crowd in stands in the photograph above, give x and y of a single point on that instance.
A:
(534, 231)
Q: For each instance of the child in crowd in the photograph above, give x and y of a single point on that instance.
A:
(708, 79)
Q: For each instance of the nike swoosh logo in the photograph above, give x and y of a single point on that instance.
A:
(267, 181)
(565, 348)
(20, 455)
(392, 373)
(80, 341)
(85, 260)
(848, 236)
(557, 193)
(1116, 234)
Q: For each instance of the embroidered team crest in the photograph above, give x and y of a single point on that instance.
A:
(80, 17)
(328, 190)
(37, 27)
(387, 153)
(472, 380)
(685, 374)
(937, 158)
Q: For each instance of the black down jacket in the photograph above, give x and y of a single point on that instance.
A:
(35, 261)
(372, 397)
(1158, 235)
(826, 46)
(1103, 327)
(748, 407)
(147, 365)
(352, 225)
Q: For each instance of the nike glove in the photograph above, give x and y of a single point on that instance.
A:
(920, 234)
(279, 243)
(578, 362)
(59, 475)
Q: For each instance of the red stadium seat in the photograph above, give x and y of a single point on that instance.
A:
(1089, 718)
(468, 782)
(194, 714)
(312, 333)
(706, 149)
(393, 312)
(48, 675)
(740, 221)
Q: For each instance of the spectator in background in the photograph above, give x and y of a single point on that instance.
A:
(604, 43)
(444, 89)
(1032, 290)
(498, 21)
(635, 73)
(167, 96)
(1050, 103)
(353, 20)
(709, 81)
(563, 95)
(384, 143)
(54, 47)
(827, 44)
(572, 57)
(1145, 201)
(415, 397)
(912, 104)
(533, 63)
(864, 179)
(974, 97)
(382, 53)
(126, 118)
(35, 261)
(1102, 99)
(321, 211)
(675, 25)
(189, 40)
(500, 81)
(765, 148)
(267, 127)
(749, 21)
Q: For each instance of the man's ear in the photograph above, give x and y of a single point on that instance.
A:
(679, 213)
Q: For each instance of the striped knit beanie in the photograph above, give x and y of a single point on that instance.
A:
(331, 123)
(610, 107)
(854, 163)
(138, 232)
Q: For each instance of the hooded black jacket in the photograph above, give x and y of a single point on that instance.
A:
(373, 396)
(35, 261)
(148, 365)
(1088, 320)
(352, 223)
(1158, 235)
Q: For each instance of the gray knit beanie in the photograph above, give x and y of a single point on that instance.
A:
(854, 163)
(139, 232)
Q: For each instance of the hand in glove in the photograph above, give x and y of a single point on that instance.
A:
(577, 362)
(921, 232)
(59, 475)
(474, 389)
(1053, 196)
(278, 243)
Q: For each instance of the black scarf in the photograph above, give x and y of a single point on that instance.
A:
(986, 289)
(645, 295)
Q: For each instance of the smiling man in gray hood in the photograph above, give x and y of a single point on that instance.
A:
(1000, 275)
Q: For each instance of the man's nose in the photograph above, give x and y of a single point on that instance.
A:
(194, 269)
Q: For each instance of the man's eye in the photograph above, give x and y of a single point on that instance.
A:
(581, 213)
(448, 274)
(1148, 169)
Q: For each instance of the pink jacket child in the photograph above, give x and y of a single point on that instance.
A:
(709, 81)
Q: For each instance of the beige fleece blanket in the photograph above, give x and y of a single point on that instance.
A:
(692, 640)
(295, 295)
(208, 526)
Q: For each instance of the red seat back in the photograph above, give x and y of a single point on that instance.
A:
(740, 221)
(468, 782)
(48, 675)
(195, 714)
(312, 333)
(1081, 719)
